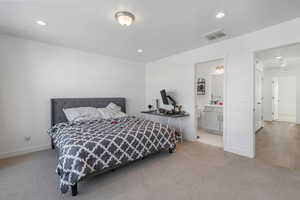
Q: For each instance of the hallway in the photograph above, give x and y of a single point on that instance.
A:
(278, 143)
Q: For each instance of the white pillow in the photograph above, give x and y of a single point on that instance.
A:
(108, 113)
(113, 106)
(82, 113)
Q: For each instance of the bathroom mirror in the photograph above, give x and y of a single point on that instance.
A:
(217, 85)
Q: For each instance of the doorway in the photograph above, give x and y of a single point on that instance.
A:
(209, 98)
(277, 106)
(284, 98)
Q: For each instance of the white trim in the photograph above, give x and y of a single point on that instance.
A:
(252, 136)
(224, 58)
(225, 105)
(24, 151)
(240, 152)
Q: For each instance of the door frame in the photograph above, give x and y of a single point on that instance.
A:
(274, 79)
(254, 52)
(224, 97)
(257, 70)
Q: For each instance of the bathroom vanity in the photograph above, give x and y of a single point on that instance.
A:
(211, 119)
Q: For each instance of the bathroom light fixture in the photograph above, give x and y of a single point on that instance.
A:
(140, 50)
(41, 23)
(279, 57)
(124, 18)
(220, 15)
(220, 69)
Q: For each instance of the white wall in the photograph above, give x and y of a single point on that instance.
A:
(267, 90)
(177, 73)
(31, 73)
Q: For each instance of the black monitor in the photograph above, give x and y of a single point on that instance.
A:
(164, 97)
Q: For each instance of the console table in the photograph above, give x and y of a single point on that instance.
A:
(176, 117)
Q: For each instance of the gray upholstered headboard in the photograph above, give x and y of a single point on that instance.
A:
(57, 106)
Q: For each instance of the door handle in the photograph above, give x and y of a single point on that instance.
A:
(258, 103)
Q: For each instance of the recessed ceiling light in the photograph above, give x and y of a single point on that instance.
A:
(283, 65)
(140, 50)
(41, 23)
(220, 15)
(278, 57)
(124, 18)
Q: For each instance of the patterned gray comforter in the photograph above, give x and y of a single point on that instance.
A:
(93, 146)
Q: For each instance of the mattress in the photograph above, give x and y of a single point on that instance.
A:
(92, 146)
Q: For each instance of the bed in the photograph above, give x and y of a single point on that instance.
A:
(93, 147)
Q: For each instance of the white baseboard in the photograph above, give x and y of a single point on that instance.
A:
(287, 118)
(24, 151)
(239, 151)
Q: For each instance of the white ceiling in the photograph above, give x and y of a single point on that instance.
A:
(162, 27)
(290, 57)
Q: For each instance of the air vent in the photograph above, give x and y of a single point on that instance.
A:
(215, 35)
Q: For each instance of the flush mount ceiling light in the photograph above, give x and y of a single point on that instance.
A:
(41, 23)
(279, 57)
(140, 50)
(124, 18)
(220, 15)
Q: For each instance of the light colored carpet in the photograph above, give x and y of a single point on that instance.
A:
(278, 143)
(195, 171)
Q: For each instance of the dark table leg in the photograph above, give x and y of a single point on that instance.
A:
(173, 149)
(52, 144)
(74, 190)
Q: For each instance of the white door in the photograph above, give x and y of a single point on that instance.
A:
(275, 98)
(258, 99)
(287, 98)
